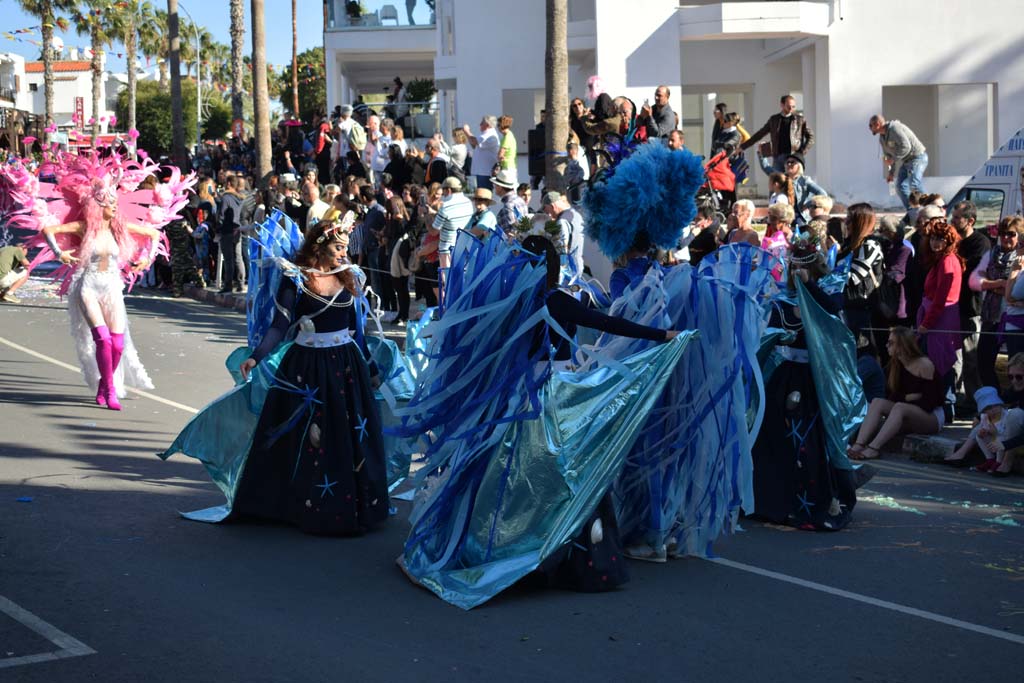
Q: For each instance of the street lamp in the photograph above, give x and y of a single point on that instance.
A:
(199, 78)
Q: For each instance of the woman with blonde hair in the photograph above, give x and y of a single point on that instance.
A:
(507, 150)
(913, 404)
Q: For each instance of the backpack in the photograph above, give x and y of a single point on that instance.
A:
(357, 137)
(456, 171)
(866, 274)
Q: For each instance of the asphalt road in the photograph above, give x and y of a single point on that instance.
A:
(96, 566)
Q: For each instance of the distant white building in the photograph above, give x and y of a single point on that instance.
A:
(14, 91)
(72, 88)
(951, 71)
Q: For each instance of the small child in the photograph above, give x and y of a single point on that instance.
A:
(202, 237)
(997, 425)
(781, 188)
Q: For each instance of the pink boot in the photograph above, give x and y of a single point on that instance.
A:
(101, 337)
(116, 350)
(106, 393)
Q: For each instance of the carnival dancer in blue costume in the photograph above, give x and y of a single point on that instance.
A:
(301, 441)
(688, 476)
(802, 476)
(521, 452)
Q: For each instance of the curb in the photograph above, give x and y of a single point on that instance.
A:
(234, 300)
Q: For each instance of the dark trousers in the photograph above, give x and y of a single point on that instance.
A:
(227, 248)
(401, 285)
(323, 166)
(988, 350)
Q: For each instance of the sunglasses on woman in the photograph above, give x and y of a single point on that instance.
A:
(1016, 378)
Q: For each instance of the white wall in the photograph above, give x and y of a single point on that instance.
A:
(881, 42)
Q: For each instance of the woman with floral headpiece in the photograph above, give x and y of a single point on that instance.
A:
(801, 478)
(307, 445)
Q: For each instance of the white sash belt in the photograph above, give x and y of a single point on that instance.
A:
(324, 339)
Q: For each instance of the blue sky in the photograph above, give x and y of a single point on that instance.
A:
(212, 14)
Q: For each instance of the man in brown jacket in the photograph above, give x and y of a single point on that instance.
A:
(789, 133)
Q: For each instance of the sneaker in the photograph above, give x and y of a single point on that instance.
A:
(399, 323)
(646, 553)
(10, 298)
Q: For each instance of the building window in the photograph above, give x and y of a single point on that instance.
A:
(955, 122)
(33, 87)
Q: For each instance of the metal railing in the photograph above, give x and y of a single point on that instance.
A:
(347, 15)
(417, 119)
(9, 94)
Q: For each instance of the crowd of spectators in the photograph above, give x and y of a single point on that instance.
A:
(930, 295)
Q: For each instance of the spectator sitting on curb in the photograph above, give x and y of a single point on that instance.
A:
(13, 273)
(914, 403)
(998, 428)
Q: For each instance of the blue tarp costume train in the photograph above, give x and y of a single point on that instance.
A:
(689, 474)
(519, 456)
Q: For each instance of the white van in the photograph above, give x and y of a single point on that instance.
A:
(996, 188)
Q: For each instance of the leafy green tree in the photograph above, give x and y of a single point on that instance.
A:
(153, 107)
(312, 84)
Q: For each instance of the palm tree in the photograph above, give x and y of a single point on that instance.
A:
(98, 24)
(153, 42)
(556, 94)
(44, 11)
(261, 98)
(177, 114)
(237, 66)
(129, 16)
(295, 61)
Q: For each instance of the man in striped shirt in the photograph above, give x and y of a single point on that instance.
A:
(454, 215)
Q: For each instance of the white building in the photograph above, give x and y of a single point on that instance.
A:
(72, 85)
(14, 91)
(950, 70)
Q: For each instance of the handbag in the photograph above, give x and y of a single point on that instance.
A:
(889, 298)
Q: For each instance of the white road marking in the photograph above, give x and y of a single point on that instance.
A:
(69, 647)
(868, 600)
(76, 369)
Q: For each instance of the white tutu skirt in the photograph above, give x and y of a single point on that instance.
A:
(108, 288)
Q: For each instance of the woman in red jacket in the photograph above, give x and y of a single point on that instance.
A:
(939, 308)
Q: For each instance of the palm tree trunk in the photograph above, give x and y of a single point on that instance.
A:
(177, 114)
(295, 62)
(97, 78)
(237, 65)
(130, 38)
(48, 60)
(556, 95)
(261, 95)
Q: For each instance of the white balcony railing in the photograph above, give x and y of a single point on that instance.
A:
(352, 15)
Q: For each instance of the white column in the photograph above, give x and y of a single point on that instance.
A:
(637, 54)
(808, 85)
(822, 122)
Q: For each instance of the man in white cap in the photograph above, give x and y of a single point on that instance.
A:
(570, 226)
(483, 221)
(513, 208)
(454, 215)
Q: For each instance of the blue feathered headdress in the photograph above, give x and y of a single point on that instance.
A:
(651, 191)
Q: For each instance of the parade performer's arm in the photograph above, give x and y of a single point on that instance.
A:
(565, 308)
(154, 235)
(282, 319)
(49, 234)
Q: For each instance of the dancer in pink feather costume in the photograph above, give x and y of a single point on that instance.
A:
(104, 231)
